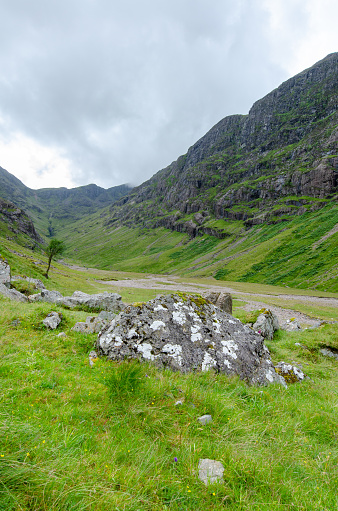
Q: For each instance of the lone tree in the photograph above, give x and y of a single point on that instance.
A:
(55, 248)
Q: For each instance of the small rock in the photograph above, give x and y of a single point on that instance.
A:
(210, 471)
(92, 358)
(52, 320)
(50, 296)
(90, 326)
(266, 324)
(290, 373)
(205, 419)
(178, 403)
(61, 334)
(222, 300)
(328, 353)
(291, 325)
(16, 322)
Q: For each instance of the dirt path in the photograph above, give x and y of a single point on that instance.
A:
(171, 284)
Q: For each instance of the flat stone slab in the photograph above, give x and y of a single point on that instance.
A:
(210, 471)
(205, 419)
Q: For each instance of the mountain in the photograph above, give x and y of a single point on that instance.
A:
(279, 160)
(16, 225)
(53, 207)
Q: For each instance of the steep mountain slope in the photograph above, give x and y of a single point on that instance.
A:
(54, 207)
(16, 225)
(280, 159)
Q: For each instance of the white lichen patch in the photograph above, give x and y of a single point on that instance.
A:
(173, 350)
(179, 317)
(157, 325)
(269, 376)
(132, 333)
(208, 362)
(217, 326)
(118, 341)
(159, 308)
(195, 334)
(232, 322)
(230, 348)
(227, 363)
(145, 349)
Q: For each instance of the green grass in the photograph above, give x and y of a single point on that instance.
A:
(75, 437)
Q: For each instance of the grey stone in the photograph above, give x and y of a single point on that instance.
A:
(99, 302)
(35, 298)
(266, 324)
(290, 325)
(178, 403)
(328, 353)
(61, 334)
(106, 315)
(222, 300)
(50, 296)
(210, 471)
(90, 326)
(186, 333)
(92, 358)
(38, 284)
(5, 272)
(289, 372)
(12, 294)
(205, 419)
(52, 320)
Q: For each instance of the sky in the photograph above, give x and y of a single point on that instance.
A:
(111, 91)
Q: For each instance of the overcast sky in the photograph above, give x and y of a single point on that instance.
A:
(110, 92)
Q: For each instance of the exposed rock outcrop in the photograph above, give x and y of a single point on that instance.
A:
(5, 273)
(187, 333)
(222, 300)
(266, 324)
(12, 294)
(52, 320)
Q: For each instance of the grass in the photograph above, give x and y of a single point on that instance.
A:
(75, 437)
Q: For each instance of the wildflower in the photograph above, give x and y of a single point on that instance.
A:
(175, 459)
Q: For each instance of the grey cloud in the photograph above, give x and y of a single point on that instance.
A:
(124, 88)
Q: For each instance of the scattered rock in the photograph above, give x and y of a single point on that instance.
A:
(52, 320)
(266, 324)
(48, 296)
(327, 352)
(5, 273)
(111, 302)
(16, 322)
(186, 333)
(205, 419)
(290, 373)
(222, 300)
(210, 471)
(178, 403)
(92, 358)
(38, 284)
(12, 294)
(290, 325)
(61, 334)
(90, 326)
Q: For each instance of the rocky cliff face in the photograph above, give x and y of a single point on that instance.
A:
(18, 222)
(280, 159)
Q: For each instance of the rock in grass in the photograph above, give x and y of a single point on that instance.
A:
(266, 324)
(290, 373)
(327, 352)
(52, 320)
(222, 300)
(12, 294)
(204, 419)
(291, 325)
(187, 333)
(5, 272)
(111, 302)
(90, 326)
(210, 471)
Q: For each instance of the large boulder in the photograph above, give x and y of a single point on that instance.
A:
(100, 302)
(12, 294)
(187, 333)
(266, 324)
(5, 273)
(46, 296)
(222, 300)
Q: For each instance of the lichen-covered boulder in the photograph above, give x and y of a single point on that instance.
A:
(187, 333)
(266, 324)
